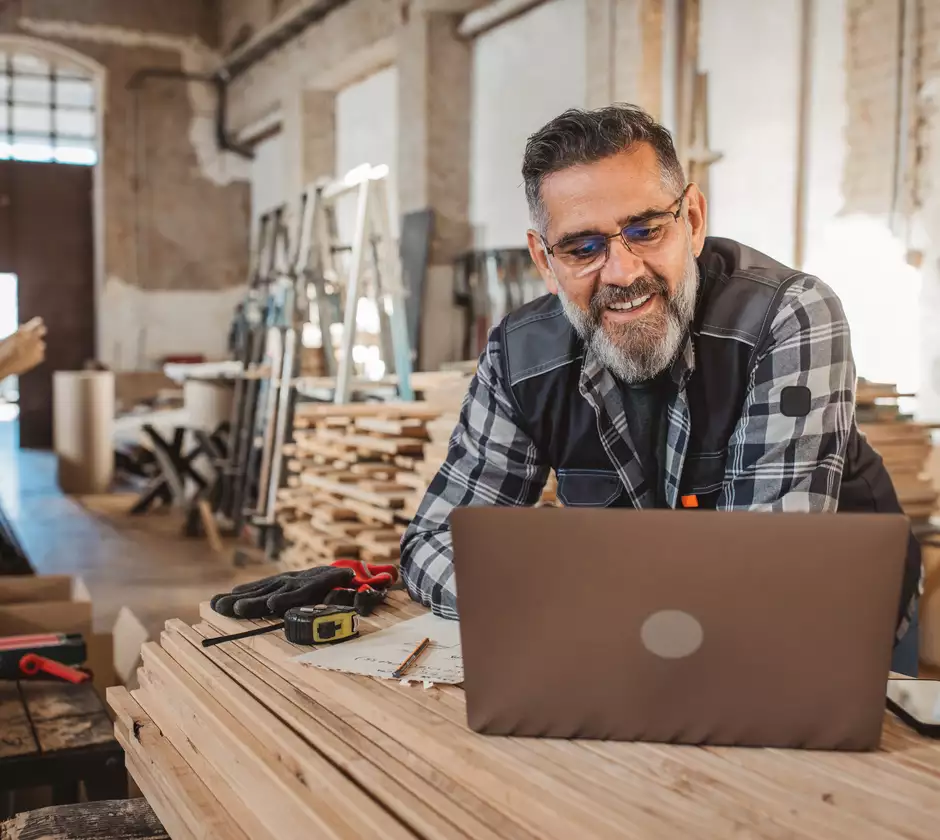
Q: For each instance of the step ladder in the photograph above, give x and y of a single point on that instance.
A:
(338, 276)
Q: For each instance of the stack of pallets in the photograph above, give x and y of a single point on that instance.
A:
(352, 481)
(904, 445)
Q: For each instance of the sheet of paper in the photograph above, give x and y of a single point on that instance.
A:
(378, 654)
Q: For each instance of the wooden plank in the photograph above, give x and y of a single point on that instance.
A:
(352, 491)
(316, 411)
(410, 479)
(405, 427)
(74, 733)
(322, 797)
(445, 794)
(210, 526)
(16, 734)
(178, 794)
(116, 819)
(547, 809)
(66, 716)
(306, 718)
(367, 443)
(20, 589)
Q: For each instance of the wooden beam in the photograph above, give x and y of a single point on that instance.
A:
(182, 795)
(319, 728)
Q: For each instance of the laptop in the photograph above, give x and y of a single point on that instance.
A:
(692, 627)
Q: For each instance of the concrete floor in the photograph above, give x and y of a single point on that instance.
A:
(141, 562)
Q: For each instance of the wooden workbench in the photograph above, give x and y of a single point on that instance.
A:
(58, 734)
(238, 741)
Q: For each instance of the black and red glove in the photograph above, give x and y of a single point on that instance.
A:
(273, 596)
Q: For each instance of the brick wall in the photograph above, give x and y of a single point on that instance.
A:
(872, 90)
(928, 200)
(175, 209)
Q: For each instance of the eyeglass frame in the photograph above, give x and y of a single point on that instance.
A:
(550, 249)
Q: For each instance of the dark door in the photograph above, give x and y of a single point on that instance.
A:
(46, 239)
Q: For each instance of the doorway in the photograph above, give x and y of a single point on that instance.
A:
(9, 321)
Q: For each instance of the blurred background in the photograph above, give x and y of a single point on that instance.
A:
(227, 212)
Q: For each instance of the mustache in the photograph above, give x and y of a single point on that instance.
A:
(607, 295)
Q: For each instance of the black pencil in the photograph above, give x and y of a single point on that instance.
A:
(412, 658)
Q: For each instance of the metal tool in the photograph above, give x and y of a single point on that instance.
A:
(305, 626)
(64, 648)
(34, 665)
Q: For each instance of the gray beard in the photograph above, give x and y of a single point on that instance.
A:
(642, 350)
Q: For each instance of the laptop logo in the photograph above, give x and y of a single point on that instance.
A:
(672, 634)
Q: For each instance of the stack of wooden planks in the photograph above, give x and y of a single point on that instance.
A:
(352, 480)
(223, 746)
(239, 741)
(904, 445)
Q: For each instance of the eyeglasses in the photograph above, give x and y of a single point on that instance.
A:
(584, 255)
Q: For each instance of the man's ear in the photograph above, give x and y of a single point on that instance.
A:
(540, 258)
(698, 217)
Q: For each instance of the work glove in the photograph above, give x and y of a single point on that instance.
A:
(275, 595)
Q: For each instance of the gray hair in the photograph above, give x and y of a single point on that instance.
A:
(578, 136)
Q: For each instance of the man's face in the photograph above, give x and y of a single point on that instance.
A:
(633, 308)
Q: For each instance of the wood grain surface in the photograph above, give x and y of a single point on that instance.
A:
(289, 750)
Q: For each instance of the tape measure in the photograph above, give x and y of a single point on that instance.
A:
(320, 625)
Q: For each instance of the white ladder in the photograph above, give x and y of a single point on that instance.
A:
(372, 251)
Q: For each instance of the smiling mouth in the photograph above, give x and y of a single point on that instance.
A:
(628, 305)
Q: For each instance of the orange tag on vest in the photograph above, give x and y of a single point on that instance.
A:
(690, 501)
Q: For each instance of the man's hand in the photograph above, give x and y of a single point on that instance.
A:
(23, 350)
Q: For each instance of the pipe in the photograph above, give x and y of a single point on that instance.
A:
(907, 49)
(492, 15)
(272, 38)
(224, 141)
(804, 130)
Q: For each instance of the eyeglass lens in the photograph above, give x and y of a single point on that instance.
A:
(587, 253)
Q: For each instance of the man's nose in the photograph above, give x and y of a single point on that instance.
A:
(623, 267)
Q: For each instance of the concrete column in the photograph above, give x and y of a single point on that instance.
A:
(434, 77)
(625, 53)
(309, 138)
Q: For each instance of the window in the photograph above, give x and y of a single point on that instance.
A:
(47, 111)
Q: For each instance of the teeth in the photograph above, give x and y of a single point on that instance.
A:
(630, 304)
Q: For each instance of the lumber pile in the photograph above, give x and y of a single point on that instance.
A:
(352, 481)
(904, 445)
(239, 741)
(221, 745)
(358, 472)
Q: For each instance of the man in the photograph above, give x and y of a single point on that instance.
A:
(664, 369)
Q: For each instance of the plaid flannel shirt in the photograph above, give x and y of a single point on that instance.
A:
(774, 462)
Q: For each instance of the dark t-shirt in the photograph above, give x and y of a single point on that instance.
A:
(645, 407)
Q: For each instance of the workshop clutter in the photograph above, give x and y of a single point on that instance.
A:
(904, 445)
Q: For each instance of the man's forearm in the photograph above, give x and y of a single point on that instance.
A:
(428, 572)
(490, 461)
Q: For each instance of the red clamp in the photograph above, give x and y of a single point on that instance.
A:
(367, 588)
(32, 664)
(376, 577)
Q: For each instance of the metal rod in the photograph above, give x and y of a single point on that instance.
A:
(257, 631)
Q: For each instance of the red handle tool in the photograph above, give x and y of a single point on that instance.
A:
(33, 663)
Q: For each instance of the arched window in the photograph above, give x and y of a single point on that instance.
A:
(47, 110)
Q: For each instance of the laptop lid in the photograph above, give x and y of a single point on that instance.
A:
(692, 627)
